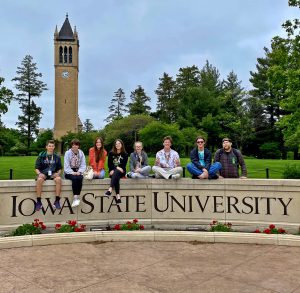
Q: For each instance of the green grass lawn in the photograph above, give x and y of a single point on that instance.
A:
(23, 167)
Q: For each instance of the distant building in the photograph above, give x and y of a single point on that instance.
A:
(66, 61)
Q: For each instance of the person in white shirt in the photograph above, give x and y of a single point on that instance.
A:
(167, 163)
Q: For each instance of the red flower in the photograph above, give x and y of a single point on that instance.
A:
(135, 220)
(214, 222)
(142, 227)
(35, 224)
(257, 231)
(57, 226)
(117, 227)
(267, 231)
(281, 231)
(72, 223)
(77, 229)
(36, 220)
(272, 226)
(129, 226)
(128, 222)
(43, 227)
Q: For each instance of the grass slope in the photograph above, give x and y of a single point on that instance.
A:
(23, 167)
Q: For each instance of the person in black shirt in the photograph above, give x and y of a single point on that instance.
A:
(117, 160)
(48, 166)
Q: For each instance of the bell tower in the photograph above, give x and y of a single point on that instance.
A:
(66, 52)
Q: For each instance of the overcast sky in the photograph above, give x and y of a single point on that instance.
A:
(126, 43)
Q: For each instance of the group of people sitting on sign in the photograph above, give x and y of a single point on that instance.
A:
(167, 165)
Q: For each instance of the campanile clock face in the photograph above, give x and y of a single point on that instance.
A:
(65, 74)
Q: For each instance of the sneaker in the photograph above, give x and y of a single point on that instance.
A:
(175, 176)
(128, 175)
(56, 205)
(107, 193)
(38, 206)
(75, 203)
(118, 200)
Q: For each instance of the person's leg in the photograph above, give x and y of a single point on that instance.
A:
(102, 174)
(77, 184)
(214, 168)
(138, 176)
(39, 185)
(116, 184)
(145, 171)
(160, 172)
(76, 187)
(193, 169)
(175, 173)
(57, 181)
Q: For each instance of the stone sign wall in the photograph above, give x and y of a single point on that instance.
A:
(183, 203)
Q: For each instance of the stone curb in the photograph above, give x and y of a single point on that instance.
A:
(175, 236)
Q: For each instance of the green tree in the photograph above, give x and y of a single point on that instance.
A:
(165, 99)
(40, 142)
(234, 117)
(6, 96)
(117, 109)
(8, 139)
(139, 101)
(29, 85)
(128, 129)
(88, 125)
(153, 134)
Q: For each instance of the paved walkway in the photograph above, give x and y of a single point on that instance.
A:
(138, 267)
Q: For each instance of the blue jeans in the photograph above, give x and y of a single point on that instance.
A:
(101, 176)
(214, 168)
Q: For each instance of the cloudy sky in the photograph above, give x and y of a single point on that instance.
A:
(125, 43)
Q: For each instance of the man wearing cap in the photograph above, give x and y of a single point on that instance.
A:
(230, 159)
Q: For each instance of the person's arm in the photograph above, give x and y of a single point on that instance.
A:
(91, 157)
(110, 162)
(82, 165)
(157, 160)
(217, 156)
(242, 164)
(67, 167)
(58, 165)
(176, 160)
(207, 159)
(38, 166)
(132, 162)
(145, 159)
(124, 162)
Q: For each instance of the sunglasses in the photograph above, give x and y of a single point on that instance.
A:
(200, 141)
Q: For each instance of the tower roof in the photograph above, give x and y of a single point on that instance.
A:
(66, 32)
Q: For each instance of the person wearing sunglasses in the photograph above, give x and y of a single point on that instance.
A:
(200, 166)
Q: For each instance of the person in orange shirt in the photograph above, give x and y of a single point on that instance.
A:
(97, 157)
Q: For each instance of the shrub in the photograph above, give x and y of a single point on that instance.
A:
(291, 171)
(215, 226)
(29, 229)
(71, 226)
(270, 150)
(129, 226)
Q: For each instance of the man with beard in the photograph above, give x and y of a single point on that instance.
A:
(230, 160)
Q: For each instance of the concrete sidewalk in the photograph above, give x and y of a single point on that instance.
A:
(138, 267)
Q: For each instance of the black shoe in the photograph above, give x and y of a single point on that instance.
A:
(118, 201)
(151, 176)
(107, 193)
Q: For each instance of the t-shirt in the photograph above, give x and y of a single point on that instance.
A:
(201, 157)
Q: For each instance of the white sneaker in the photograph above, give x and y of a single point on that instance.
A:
(75, 203)
(176, 176)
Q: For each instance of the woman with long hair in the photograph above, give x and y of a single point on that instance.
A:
(97, 158)
(117, 160)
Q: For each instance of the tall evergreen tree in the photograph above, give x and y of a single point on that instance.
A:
(87, 125)
(29, 86)
(6, 96)
(117, 108)
(138, 102)
(210, 78)
(165, 99)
